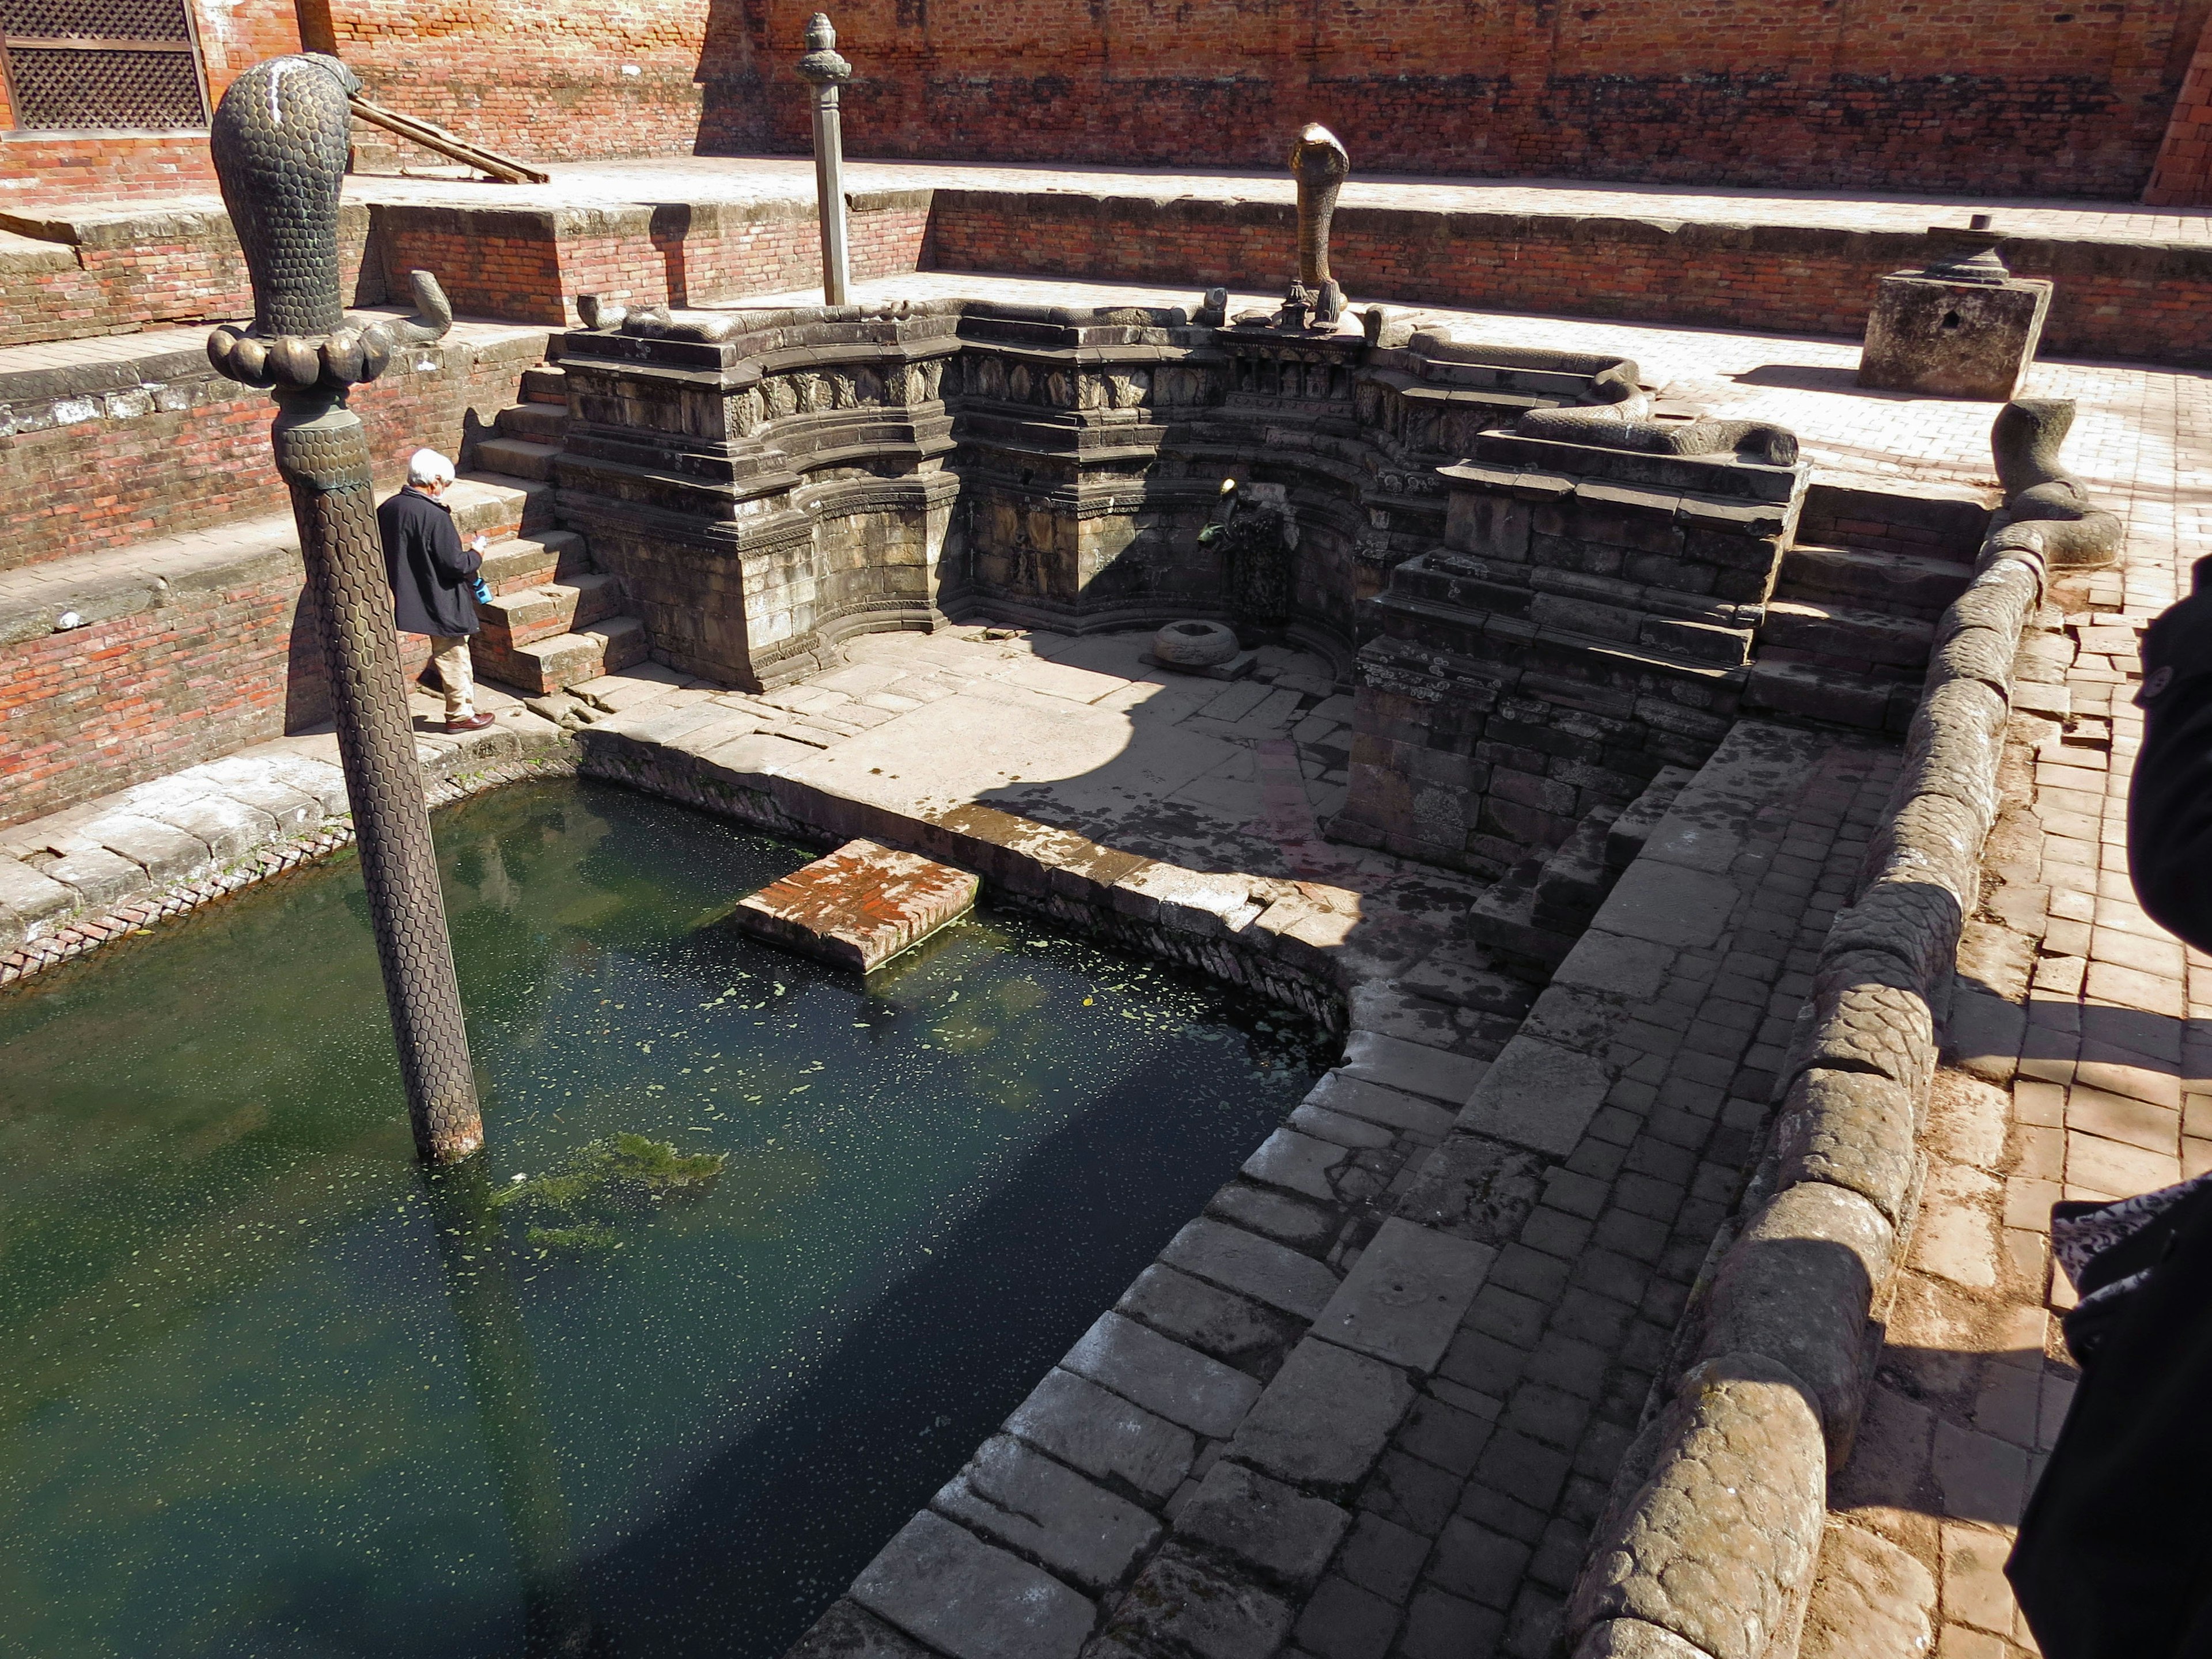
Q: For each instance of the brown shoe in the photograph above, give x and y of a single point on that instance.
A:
(474, 723)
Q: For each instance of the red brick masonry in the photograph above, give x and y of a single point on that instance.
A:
(2147, 301)
(859, 906)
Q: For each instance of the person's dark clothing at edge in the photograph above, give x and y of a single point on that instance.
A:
(2114, 1560)
(430, 569)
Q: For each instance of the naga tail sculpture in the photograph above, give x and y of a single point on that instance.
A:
(279, 139)
(2046, 509)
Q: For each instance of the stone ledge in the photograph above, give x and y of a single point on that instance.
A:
(109, 868)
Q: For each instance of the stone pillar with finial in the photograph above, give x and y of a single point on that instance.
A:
(1961, 326)
(825, 68)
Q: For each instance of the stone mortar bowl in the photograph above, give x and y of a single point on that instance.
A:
(1194, 644)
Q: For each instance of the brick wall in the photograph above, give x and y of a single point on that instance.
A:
(540, 79)
(90, 469)
(2182, 175)
(126, 273)
(2150, 301)
(1891, 94)
(50, 166)
(216, 667)
(531, 266)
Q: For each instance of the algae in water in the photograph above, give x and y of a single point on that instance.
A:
(578, 1204)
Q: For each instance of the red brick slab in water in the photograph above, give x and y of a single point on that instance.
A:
(859, 906)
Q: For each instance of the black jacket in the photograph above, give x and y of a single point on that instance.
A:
(2170, 802)
(429, 567)
(2114, 1558)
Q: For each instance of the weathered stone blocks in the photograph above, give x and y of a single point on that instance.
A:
(1795, 1289)
(1325, 1419)
(1185, 1387)
(1279, 1532)
(1406, 1295)
(1852, 1129)
(1044, 1510)
(944, 1586)
(1106, 1436)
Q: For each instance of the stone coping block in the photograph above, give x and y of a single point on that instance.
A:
(1716, 1545)
(1325, 1419)
(944, 1586)
(859, 906)
(1045, 1511)
(1286, 1536)
(1406, 1295)
(1180, 1384)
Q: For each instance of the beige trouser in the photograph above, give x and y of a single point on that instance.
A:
(451, 659)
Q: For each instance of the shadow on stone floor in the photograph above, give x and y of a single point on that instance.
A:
(1809, 377)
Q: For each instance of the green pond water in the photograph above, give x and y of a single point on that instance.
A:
(266, 1389)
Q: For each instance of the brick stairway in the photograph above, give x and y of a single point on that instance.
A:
(554, 620)
(1852, 619)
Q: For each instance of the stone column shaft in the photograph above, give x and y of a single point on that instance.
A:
(279, 141)
(827, 71)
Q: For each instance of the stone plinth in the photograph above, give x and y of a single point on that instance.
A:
(859, 906)
(1953, 339)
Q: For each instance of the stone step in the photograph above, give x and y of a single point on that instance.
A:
(1836, 696)
(516, 457)
(564, 659)
(499, 505)
(1848, 637)
(548, 383)
(1502, 920)
(1576, 877)
(1633, 828)
(538, 424)
(1900, 584)
(530, 560)
(529, 614)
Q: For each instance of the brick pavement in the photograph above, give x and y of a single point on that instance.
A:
(2080, 1066)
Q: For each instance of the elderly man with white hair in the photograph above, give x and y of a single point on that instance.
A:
(434, 579)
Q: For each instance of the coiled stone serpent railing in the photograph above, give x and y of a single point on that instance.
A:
(279, 139)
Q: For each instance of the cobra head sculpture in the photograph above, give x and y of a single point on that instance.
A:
(1319, 164)
(279, 139)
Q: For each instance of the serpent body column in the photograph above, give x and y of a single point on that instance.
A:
(279, 139)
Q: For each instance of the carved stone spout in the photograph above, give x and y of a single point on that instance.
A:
(1319, 163)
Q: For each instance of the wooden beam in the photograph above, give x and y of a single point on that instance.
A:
(440, 142)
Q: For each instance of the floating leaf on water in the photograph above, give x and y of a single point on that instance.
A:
(587, 1238)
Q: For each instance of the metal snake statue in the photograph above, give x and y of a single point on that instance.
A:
(279, 139)
(1319, 164)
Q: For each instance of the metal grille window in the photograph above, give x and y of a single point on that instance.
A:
(87, 63)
